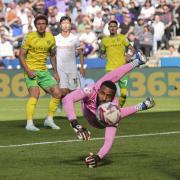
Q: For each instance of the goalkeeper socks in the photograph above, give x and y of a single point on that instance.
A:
(142, 106)
(30, 108)
(146, 104)
(139, 107)
(135, 63)
(53, 105)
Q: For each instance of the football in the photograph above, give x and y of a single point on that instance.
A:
(109, 114)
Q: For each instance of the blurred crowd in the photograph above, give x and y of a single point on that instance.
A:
(148, 24)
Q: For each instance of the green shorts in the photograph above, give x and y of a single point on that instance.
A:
(123, 82)
(43, 79)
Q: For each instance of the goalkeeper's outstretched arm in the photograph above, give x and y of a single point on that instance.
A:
(92, 160)
(68, 102)
(110, 133)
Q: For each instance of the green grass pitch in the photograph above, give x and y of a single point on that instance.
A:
(147, 146)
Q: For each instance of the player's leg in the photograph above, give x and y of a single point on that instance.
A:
(34, 92)
(50, 85)
(73, 81)
(52, 108)
(146, 104)
(69, 82)
(63, 86)
(123, 90)
(118, 73)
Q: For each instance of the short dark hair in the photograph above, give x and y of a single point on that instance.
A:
(113, 21)
(63, 18)
(41, 16)
(172, 46)
(110, 85)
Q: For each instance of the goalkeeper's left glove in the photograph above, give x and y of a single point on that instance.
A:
(92, 160)
(82, 132)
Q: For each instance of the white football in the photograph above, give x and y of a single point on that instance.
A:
(109, 114)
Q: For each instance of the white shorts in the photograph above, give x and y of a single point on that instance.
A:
(69, 80)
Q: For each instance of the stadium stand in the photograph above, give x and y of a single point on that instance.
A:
(170, 62)
(89, 19)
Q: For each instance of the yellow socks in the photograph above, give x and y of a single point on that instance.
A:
(30, 108)
(53, 105)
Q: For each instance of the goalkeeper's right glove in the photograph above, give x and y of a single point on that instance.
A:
(92, 160)
(80, 131)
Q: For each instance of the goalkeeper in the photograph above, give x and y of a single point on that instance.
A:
(102, 91)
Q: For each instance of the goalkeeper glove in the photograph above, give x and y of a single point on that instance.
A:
(92, 160)
(81, 132)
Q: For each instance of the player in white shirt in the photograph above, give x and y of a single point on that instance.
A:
(67, 45)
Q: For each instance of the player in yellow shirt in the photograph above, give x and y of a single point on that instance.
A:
(115, 47)
(36, 48)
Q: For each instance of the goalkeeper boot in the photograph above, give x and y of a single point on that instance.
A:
(50, 123)
(140, 57)
(148, 103)
(31, 127)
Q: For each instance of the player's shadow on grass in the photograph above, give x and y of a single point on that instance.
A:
(130, 154)
(60, 118)
(76, 161)
(105, 162)
(22, 123)
(12, 124)
(39, 122)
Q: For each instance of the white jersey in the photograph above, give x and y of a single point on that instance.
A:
(66, 52)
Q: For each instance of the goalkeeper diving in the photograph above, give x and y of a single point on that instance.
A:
(103, 91)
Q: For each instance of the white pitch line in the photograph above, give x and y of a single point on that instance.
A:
(93, 139)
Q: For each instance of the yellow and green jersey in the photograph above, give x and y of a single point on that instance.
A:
(38, 49)
(115, 47)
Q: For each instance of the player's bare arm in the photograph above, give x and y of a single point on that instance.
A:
(54, 64)
(30, 73)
